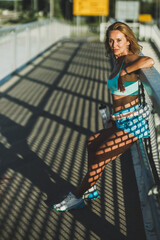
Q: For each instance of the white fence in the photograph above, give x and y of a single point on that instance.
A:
(20, 44)
(150, 32)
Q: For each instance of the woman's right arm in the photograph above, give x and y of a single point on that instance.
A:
(129, 71)
(134, 62)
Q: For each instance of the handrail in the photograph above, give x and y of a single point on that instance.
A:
(149, 204)
(150, 93)
(148, 173)
(21, 27)
(149, 154)
(151, 81)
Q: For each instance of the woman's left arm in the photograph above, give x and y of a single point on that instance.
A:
(135, 62)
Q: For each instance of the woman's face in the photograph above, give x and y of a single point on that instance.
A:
(118, 43)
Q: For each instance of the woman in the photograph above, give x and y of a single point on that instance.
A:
(127, 124)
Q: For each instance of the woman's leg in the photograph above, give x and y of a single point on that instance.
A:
(103, 147)
(95, 141)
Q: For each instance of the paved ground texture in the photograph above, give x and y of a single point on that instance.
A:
(47, 111)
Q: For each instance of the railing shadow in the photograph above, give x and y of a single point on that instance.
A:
(45, 120)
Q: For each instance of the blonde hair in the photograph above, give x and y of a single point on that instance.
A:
(134, 47)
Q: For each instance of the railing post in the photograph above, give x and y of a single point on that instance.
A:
(39, 37)
(28, 44)
(14, 59)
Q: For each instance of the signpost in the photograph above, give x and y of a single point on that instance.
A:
(91, 7)
(51, 8)
(145, 18)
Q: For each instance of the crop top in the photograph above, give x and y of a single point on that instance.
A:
(131, 88)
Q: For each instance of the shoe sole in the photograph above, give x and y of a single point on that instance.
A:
(78, 206)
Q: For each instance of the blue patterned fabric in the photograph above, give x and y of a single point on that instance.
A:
(135, 125)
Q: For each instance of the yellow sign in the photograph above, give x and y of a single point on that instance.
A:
(145, 18)
(90, 7)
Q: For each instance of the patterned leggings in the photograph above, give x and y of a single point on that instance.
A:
(103, 147)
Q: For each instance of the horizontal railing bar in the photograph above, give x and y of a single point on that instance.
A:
(149, 204)
(21, 27)
(151, 81)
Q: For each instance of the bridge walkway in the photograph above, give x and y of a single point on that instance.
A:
(47, 111)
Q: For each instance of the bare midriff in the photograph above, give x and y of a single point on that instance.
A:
(122, 102)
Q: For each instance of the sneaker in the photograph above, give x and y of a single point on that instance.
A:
(70, 202)
(91, 193)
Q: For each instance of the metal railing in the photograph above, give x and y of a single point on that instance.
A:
(149, 150)
(151, 33)
(22, 43)
(150, 93)
(147, 168)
